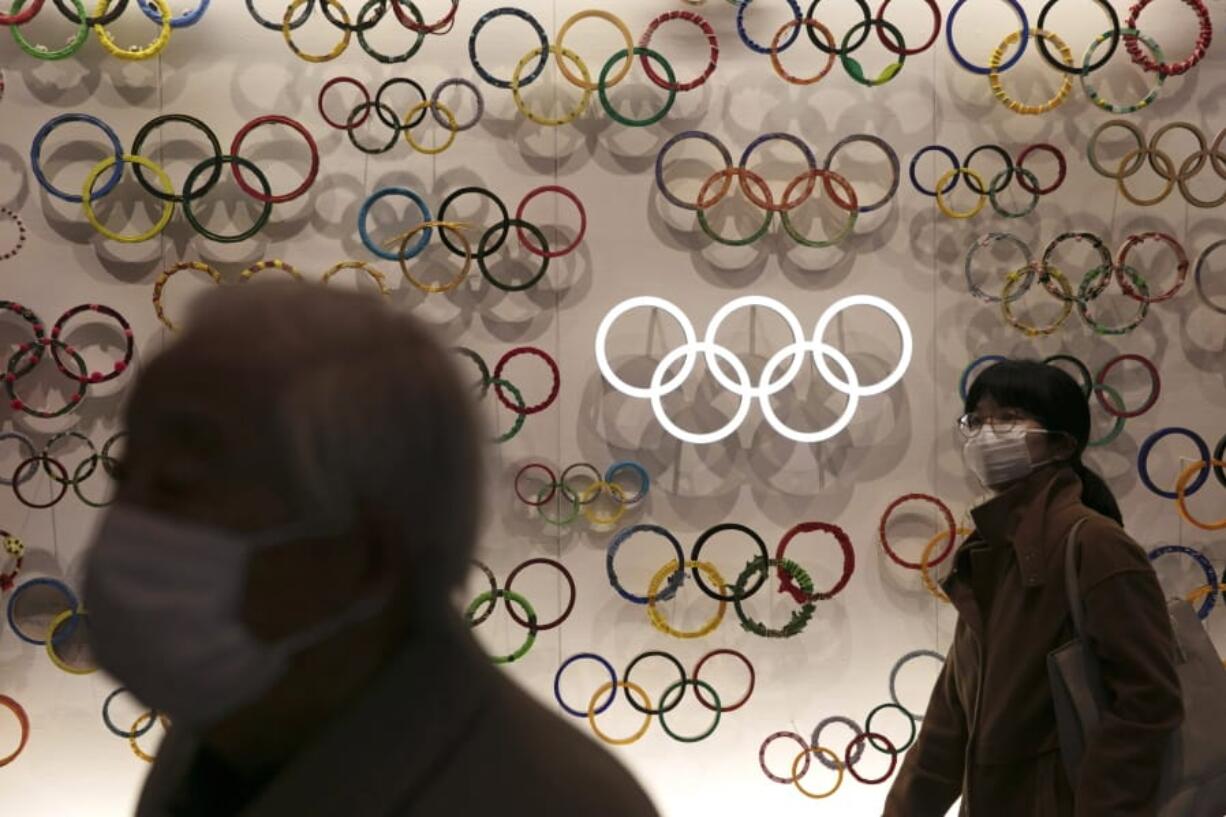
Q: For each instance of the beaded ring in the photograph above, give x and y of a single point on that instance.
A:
(795, 772)
(136, 52)
(985, 241)
(766, 203)
(590, 656)
(537, 29)
(656, 617)
(743, 7)
(1181, 268)
(1092, 148)
(787, 585)
(190, 196)
(16, 548)
(1202, 449)
(159, 287)
(998, 88)
(1104, 254)
(462, 83)
(1030, 330)
(851, 204)
(897, 669)
(837, 763)
(363, 27)
(528, 611)
(361, 266)
(674, 581)
(63, 481)
(136, 731)
(90, 463)
(1022, 174)
(273, 264)
(384, 113)
(712, 43)
(12, 216)
(93, 377)
(1158, 64)
(419, 110)
(287, 29)
(1205, 565)
(1092, 92)
(275, 25)
(1089, 286)
(926, 578)
(876, 740)
(610, 477)
(777, 63)
(11, 375)
(187, 18)
(952, 526)
(799, 619)
(440, 26)
(1168, 174)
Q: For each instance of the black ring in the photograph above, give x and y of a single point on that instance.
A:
(91, 460)
(110, 464)
(157, 122)
(502, 209)
(105, 20)
(645, 710)
(357, 27)
(1219, 454)
(1007, 174)
(395, 122)
(1050, 58)
(110, 724)
(303, 16)
(702, 541)
(363, 108)
(1087, 379)
(839, 52)
(62, 482)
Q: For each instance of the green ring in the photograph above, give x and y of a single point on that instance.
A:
(800, 618)
(351, 130)
(732, 242)
(519, 415)
(188, 199)
(1118, 428)
(608, 106)
(1034, 196)
(558, 521)
(1092, 92)
(910, 720)
(530, 614)
(91, 460)
(1083, 301)
(484, 252)
(383, 58)
(853, 67)
(40, 52)
(838, 237)
(694, 682)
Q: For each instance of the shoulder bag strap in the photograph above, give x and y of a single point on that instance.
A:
(1071, 552)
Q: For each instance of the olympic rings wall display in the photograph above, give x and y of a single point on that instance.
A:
(112, 168)
(403, 248)
(476, 615)
(716, 356)
(576, 71)
(573, 501)
(1174, 174)
(63, 625)
(794, 580)
(405, 15)
(141, 727)
(104, 14)
(605, 695)
(1193, 476)
(505, 391)
(1094, 282)
(718, 185)
(401, 125)
(62, 476)
(987, 192)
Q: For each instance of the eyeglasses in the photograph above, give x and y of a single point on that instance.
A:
(971, 424)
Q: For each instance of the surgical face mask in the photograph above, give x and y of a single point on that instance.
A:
(165, 600)
(1001, 457)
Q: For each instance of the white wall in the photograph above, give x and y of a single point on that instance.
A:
(227, 70)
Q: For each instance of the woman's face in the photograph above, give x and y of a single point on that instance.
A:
(1043, 447)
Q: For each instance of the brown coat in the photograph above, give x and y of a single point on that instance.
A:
(441, 733)
(989, 734)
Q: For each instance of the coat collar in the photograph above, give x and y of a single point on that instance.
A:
(1029, 516)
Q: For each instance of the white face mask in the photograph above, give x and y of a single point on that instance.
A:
(165, 600)
(999, 458)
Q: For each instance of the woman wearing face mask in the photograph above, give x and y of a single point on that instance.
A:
(989, 735)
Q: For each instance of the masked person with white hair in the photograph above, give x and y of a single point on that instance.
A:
(298, 503)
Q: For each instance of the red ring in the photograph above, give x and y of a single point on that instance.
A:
(860, 738)
(553, 484)
(365, 94)
(553, 367)
(21, 18)
(1054, 151)
(712, 40)
(570, 580)
(762, 757)
(519, 214)
(434, 28)
(24, 720)
(236, 145)
(910, 52)
(748, 693)
(1154, 391)
(1181, 269)
(949, 520)
(1168, 69)
(788, 585)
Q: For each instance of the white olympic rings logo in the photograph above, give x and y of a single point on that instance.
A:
(740, 382)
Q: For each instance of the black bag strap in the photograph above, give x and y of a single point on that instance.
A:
(1075, 604)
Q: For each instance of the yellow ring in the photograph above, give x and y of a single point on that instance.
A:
(657, 618)
(457, 229)
(50, 643)
(160, 284)
(817, 750)
(586, 83)
(1006, 302)
(1181, 498)
(133, 734)
(930, 583)
(961, 214)
(523, 106)
(378, 277)
(591, 712)
(272, 263)
(1170, 177)
(588, 495)
(998, 88)
(438, 106)
(1199, 594)
(134, 52)
(87, 199)
(302, 55)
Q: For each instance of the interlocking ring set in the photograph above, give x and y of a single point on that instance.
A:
(1174, 174)
(801, 189)
(1013, 169)
(583, 500)
(194, 188)
(716, 356)
(33, 461)
(276, 264)
(853, 753)
(946, 539)
(105, 13)
(1108, 397)
(62, 627)
(1206, 595)
(793, 579)
(501, 385)
(528, 620)
(564, 58)
(140, 727)
(398, 126)
(403, 248)
(1113, 268)
(671, 698)
(1192, 478)
(29, 354)
(370, 15)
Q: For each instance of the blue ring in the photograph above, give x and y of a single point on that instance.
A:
(674, 581)
(188, 18)
(540, 35)
(799, 143)
(975, 364)
(69, 627)
(948, 154)
(743, 5)
(1205, 565)
(413, 251)
(557, 684)
(36, 153)
(1143, 460)
(639, 471)
(975, 69)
